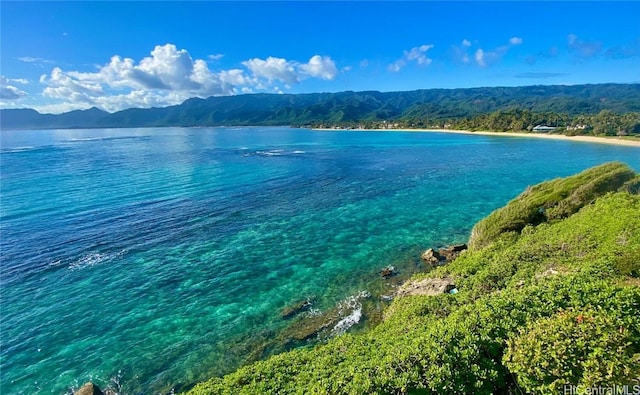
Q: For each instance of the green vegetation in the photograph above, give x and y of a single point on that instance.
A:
(607, 109)
(604, 123)
(587, 336)
(551, 201)
(555, 303)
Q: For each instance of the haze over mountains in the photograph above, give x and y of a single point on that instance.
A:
(304, 109)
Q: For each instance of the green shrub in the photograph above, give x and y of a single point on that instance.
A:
(551, 200)
(580, 347)
(631, 186)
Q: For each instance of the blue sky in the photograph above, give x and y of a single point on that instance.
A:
(60, 56)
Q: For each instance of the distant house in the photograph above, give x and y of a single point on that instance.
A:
(577, 127)
(543, 128)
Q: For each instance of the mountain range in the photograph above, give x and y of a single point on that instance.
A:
(343, 107)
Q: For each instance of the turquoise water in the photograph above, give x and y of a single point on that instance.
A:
(150, 259)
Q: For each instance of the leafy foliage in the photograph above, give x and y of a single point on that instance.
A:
(570, 348)
(550, 201)
(535, 310)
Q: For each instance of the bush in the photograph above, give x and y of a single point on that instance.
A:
(580, 347)
(551, 200)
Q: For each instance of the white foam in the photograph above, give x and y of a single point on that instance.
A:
(269, 153)
(86, 138)
(353, 306)
(17, 149)
(299, 152)
(94, 259)
(348, 321)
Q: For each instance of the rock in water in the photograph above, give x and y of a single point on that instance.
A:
(388, 272)
(450, 253)
(296, 308)
(431, 256)
(89, 389)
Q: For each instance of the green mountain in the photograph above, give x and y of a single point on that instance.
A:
(547, 300)
(31, 119)
(345, 107)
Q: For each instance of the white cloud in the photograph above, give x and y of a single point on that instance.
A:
(415, 54)
(234, 77)
(217, 56)
(459, 53)
(273, 69)
(480, 57)
(397, 65)
(10, 92)
(419, 54)
(22, 81)
(515, 41)
(583, 49)
(57, 108)
(290, 72)
(486, 58)
(170, 75)
(29, 59)
(320, 67)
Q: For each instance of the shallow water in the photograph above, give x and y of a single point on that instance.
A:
(159, 257)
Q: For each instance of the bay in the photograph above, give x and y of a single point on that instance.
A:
(151, 259)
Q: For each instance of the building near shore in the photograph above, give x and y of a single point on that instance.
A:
(544, 128)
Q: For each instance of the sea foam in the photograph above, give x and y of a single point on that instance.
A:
(353, 307)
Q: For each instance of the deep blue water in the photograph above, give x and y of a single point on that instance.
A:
(157, 256)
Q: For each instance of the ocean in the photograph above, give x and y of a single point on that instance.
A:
(147, 260)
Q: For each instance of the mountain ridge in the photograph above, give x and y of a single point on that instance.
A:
(264, 109)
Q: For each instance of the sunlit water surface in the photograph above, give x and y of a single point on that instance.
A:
(156, 258)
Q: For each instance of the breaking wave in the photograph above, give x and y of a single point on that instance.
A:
(351, 308)
(94, 259)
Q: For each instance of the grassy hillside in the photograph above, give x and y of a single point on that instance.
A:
(555, 303)
(551, 201)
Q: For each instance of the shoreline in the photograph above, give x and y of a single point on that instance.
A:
(584, 139)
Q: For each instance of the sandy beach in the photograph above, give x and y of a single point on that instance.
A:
(586, 139)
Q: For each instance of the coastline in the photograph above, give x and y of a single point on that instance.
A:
(585, 139)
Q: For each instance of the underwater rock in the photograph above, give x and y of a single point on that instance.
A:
(312, 325)
(89, 389)
(388, 272)
(329, 323)
(296, 308)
